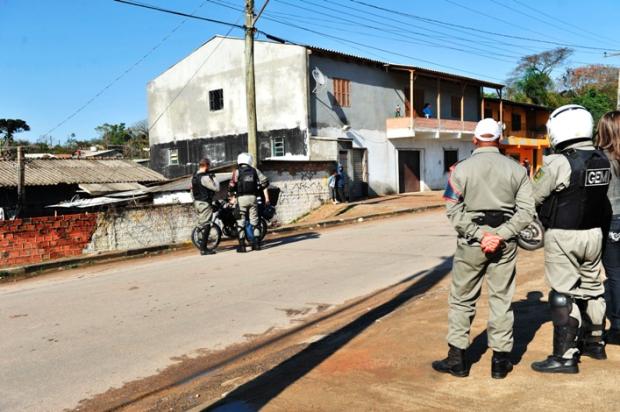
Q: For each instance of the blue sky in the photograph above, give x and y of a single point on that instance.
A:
(57, 55)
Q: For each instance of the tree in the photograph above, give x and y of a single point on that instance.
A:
(531, 81)
(594, 76)
(113, 134)
(139, 140)
(596, 101)
(8, 127)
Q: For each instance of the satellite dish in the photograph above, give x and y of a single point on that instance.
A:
(319, 79)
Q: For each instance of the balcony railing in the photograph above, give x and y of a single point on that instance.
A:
(405, 126)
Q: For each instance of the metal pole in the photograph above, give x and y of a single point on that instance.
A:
(250, 80)
(21, 180)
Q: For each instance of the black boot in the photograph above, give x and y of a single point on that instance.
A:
(612, 337)
(241, 247)
(592, 346)
(500, 365)
(454, 364)
(564, 339)
(256, 245)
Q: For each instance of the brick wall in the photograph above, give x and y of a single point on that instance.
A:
(38, 239)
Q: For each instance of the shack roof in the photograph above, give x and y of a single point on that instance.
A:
(48, 172)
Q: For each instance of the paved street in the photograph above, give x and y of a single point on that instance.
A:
(71, 336)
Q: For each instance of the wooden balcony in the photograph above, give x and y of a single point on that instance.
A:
(402, 127)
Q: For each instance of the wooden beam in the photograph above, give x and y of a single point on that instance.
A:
(411, 95)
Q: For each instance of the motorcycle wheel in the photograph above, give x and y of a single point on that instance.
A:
(213, 239)
(262, 227)
(532, 237)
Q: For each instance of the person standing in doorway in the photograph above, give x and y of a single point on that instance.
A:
(489, 201)
(528, 167)
(204, 187)
(608, 139)
(331, 183)
(341, 180)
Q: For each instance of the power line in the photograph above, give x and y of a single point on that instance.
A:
(122, 74)
(178, 13)
(158, 118)
(341, 39)
(478, 30)
(481, 13)
(592, 34)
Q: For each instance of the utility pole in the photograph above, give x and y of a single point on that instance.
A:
(618, 95)
(250, 84)
(21, 181)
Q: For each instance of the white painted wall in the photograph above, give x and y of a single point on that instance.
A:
(281, 90)
(431, 158)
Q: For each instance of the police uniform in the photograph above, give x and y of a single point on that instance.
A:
(488, 192)
(204, 187)
(571, 191)
(246, 183)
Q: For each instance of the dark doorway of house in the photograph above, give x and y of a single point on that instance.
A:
(408, 171)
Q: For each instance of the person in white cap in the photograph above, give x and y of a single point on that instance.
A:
(489, 201)
(571, 189)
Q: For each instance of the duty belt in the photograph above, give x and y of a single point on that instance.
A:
(492, 218)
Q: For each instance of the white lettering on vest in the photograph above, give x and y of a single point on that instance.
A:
(598, 177)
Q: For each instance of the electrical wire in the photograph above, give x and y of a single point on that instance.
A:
(122, 74)
(478, 30)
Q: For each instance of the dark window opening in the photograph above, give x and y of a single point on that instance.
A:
(216, 99)
(450, 158)
(516, 122)
(455, 106)
(488, 113)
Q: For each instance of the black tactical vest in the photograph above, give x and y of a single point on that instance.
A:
(247, 181)
(584, 203)
(201, 193)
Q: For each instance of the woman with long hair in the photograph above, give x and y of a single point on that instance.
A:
(608, 139)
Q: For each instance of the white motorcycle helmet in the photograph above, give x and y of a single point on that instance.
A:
(245, 159)
(569, 122)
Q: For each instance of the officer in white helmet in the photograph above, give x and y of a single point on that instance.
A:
(489, 201)
(571, 192)
(246, 184)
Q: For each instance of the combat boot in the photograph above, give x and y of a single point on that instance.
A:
(500, 365)
(563, 341)
(256, 245)
(454, 364)
(241, 247)
(592, 346)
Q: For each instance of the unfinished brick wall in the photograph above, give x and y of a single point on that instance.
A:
(35, 240)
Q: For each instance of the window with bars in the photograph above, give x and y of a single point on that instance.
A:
(173, 157)
(342, 89)
(216, 99)
(277, 147)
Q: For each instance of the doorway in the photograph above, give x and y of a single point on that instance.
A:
(408, 171)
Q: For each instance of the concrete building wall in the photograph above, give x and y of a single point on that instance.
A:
(188, 126)
(432, 168)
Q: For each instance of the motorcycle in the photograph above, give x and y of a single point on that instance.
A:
(224, 221)
(533, 236)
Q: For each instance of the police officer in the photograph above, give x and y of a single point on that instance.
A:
(204, 187)
(246, 183)
(489, 201)
(571, 189)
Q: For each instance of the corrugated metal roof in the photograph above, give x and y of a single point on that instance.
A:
(40, 172)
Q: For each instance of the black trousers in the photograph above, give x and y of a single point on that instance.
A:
(611, 261)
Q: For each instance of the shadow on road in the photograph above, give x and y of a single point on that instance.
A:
(257, 393)
(285, 240)
(530, 314)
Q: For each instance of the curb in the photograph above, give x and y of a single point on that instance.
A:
(350, 220)
(79, 261)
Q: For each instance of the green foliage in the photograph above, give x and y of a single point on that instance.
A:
(8, 127)
(596, 101)
(113, 134)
